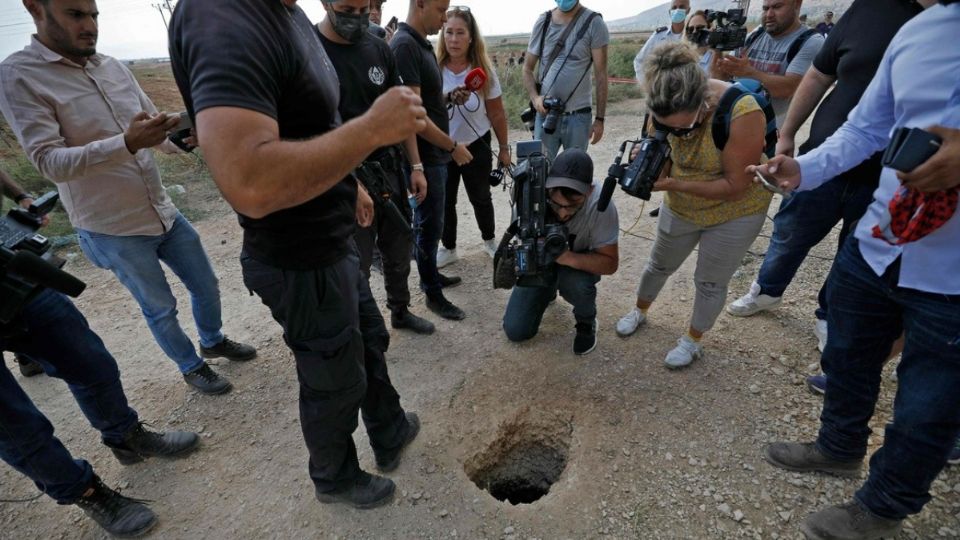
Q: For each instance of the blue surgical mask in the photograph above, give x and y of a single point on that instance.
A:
(677, 16)
(566, 5)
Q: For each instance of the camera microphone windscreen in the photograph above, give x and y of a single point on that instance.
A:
(39, 271)
(475, 79)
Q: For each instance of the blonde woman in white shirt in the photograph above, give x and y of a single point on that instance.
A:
(461, 49)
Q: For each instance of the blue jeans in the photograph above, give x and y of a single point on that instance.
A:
(573, 131)
(867, 314)
(804, 219)
(428, 226)
(135, 260)
(58, 337)
(527, 304)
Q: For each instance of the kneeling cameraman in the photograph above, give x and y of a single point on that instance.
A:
(593, 252)
(52, 331)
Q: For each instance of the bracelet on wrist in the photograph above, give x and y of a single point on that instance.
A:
(417, 167)
(598, 119)
(19, 198)
(454, 149)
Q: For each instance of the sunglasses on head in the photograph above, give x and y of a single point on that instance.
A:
(458, 9)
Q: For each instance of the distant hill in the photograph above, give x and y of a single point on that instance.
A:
(657, 16)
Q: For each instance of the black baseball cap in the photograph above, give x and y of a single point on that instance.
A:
(572, 169)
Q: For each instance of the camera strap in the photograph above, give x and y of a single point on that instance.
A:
(582, 32)
(560, 43)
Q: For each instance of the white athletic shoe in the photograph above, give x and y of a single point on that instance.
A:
(753, 302)
(820, 330)
(686, 351)
(446, 256)
(629, 323)
(490, 247)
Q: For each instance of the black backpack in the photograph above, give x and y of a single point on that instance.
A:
(722, 117)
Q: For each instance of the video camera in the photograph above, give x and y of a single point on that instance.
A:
(525, 259)
(26, 265)
(638, 177)
(730, 32)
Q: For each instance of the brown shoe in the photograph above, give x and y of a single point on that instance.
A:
(850, 521)
(805, 457)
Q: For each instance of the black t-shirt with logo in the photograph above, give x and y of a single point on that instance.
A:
(418, 66)
(262, 56)
(852, 53)
(366, 70)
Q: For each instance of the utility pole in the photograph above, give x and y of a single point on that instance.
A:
(168, 6)
(162, 16)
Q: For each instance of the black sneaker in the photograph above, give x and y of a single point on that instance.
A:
(586, 340)
(403, 319)
(229, 349)
(207, 380)
(806, 457)
(138, 443)
(850, 520)
(389, 461)
(449, 281)
(442, 307)
(367, 491)
(118, 515)
(28, 366)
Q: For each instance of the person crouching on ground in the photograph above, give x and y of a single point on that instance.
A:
(593, 252)
(710, 201)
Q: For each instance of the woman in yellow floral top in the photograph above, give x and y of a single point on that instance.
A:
(711, 202)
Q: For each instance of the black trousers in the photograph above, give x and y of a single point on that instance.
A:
(395, 244)
(333, 326)
(476, 180)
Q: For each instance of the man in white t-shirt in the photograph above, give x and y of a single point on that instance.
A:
(678, 15)
(777, 53)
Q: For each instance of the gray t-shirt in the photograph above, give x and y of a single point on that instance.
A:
(769, 54)
(561, 83)
(590, 228)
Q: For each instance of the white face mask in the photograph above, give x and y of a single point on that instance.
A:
(677, 16)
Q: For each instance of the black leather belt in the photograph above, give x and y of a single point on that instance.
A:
(586, 110)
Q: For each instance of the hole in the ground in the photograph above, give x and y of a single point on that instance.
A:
(525, 460)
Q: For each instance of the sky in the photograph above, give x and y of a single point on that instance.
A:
(131, 29)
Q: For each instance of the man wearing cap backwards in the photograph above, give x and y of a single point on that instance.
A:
(592, 252)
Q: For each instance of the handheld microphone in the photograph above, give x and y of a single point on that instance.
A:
(475, 79)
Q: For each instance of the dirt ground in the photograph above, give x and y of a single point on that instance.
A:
(633, 450)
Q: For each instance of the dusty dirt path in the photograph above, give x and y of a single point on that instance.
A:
(636, 451)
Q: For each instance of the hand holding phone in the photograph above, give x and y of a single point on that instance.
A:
(769, 185)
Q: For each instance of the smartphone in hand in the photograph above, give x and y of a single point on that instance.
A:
(393, 24)
(770, 185)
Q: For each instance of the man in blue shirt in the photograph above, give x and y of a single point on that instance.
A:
(885, 282)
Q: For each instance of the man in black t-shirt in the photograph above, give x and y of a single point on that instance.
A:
(366, 69)
(849, 57)
(264, 97)
(418, 68)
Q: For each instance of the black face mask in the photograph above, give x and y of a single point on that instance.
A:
(349, 26)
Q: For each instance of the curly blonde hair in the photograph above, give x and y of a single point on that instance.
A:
(673, 80)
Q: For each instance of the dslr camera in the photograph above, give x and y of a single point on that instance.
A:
(636, 178)
(26, 264)
(555, 108)
(532, 244)
(730, 32)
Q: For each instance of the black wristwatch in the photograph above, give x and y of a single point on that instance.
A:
(23, 196)
(598, 119)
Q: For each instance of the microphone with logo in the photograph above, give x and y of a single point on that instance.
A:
(473, 82)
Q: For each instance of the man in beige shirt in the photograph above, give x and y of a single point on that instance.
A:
(86, 124)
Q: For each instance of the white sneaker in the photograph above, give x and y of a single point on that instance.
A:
(686, 351)
(629, 323)
(820, 330)
(446, 256)
(490, 247)
(753, 302)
